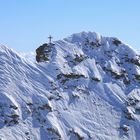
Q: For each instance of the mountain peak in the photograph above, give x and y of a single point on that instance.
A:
(80, 37)
(85, 87)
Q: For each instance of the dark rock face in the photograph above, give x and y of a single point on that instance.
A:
(116, 42)
(43, 52)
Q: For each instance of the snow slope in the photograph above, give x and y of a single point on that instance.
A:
(89, 90)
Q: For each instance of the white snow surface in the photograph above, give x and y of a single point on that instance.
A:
(89, 90)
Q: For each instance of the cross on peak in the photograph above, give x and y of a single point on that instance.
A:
(50, 39)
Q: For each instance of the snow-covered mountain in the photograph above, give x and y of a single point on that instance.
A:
(89, 89)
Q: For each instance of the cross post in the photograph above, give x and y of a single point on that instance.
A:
(50, 39)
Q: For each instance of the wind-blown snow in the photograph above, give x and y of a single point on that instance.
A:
(89, 90)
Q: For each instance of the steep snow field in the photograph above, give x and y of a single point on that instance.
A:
(88, 90)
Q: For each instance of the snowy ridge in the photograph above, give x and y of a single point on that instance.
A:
(88, 90)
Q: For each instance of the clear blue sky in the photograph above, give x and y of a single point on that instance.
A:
(26, 24)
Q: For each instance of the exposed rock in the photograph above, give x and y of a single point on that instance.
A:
(116, 42)
(43, 52)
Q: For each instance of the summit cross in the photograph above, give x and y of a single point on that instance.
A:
(50, 39)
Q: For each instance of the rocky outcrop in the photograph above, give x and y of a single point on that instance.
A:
(43, 52)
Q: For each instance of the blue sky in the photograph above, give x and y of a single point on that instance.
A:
(26, 24)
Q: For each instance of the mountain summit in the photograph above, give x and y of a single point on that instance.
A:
(84, 87)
